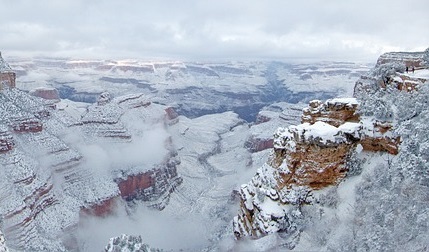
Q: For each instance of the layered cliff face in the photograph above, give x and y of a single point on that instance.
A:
(56, 166)
(409, 59)
(7, 76)
(324, 168)
(273, 116)
(307, 157)
(46, 93)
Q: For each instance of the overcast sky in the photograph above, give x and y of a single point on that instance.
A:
(215, 29)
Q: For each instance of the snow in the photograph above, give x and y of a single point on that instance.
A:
(3, 247)
(272, 208)
(319, 131)
(348, 101)
(4, 66)
(420, 73)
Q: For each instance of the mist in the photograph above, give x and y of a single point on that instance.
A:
(158, 229)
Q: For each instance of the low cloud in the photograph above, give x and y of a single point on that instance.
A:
(157, 228)
(213, 29)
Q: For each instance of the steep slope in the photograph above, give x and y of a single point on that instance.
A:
(3, 247)
(330, 169)
(55, 166)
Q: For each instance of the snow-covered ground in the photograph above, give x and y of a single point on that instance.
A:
(214, 159)
(194, 88)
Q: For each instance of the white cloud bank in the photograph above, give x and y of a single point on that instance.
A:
(206, 29)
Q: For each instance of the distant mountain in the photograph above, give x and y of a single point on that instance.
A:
(193, 88)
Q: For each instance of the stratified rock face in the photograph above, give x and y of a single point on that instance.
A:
(102, 208)
(27, 125)
(45, 183)
(254, 144)
(273, 116)
(334, 112)
(128, 243)
(410, 59)
(6, 139)
(46, 93)
(307, 157)
(153, 186)
(171, 113)
(391, 71)
(7, 76)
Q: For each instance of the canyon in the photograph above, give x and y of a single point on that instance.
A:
(114, 137)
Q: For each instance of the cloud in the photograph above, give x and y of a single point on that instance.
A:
(157, 229)
(212, 29)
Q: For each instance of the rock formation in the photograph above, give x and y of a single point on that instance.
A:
(7, 76)
(6, 139)
(318, 153)
(46, 93)
(128, 243)
(415, 59)
(307, 157)
(276, 115)
(46, 182)
(152, 186)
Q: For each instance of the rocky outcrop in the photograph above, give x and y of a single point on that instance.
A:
(8, 78)
(104, 98)
(334, 112)
(101, 209)
(273, 116)
(405, 82)
(6, 139)
(128, 243)
(153, 186)
(395, 70)
(307, 157)
(171, 113)
(46, 93)
(255, 144)
(27, 125)
(7, 75)
(409, 59)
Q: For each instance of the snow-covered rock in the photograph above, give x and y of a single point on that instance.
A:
(348, 163)
(48, 93)
(307, 157)
(128, 243)
(3, 247)
(56, 165)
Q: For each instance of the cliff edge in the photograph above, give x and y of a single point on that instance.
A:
(308, 173)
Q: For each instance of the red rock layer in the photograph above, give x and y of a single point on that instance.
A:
(27, 125)
(258, 144)
(334, 114)
(6, 142)
(46, 93)
(101, 209)
(8, 78)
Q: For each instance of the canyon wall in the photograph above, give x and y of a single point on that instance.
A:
(47, 181)
(306, 158)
